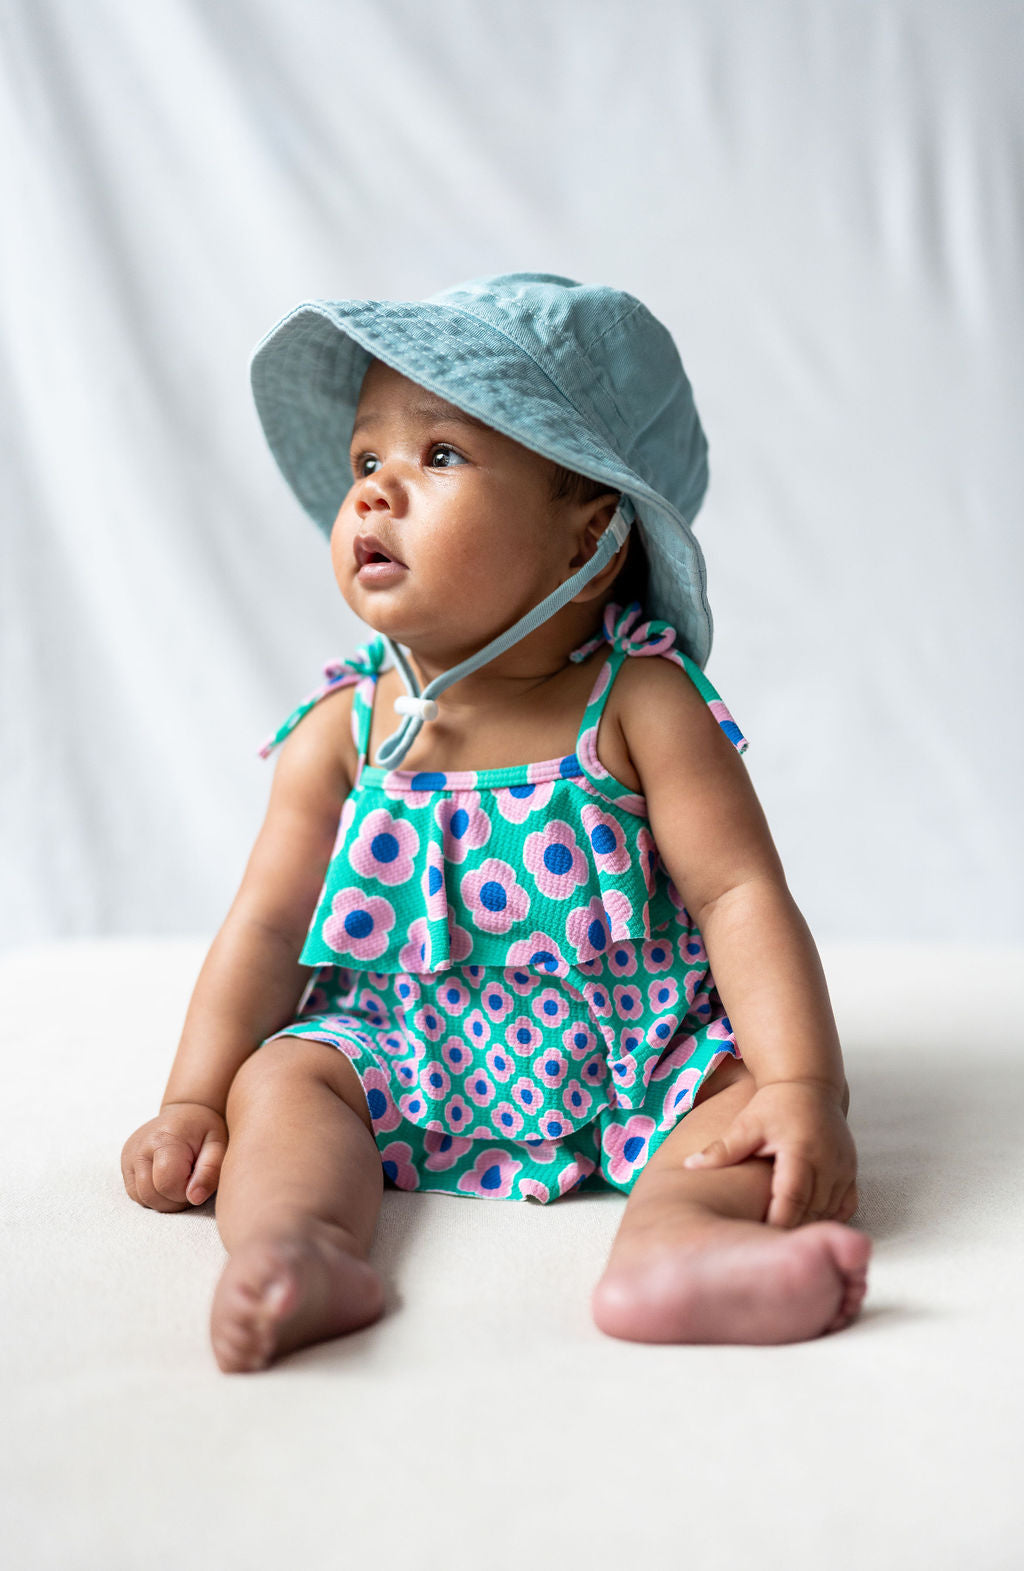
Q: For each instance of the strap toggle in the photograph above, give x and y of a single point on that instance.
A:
(426, 708)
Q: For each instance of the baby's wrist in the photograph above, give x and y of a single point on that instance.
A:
(826, 1085)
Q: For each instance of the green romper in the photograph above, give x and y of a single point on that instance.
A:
(506, 961)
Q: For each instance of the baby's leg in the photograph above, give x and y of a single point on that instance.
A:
(695, 1261)
(297, 1204)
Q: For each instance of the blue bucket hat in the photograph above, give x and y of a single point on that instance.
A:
(583, 374)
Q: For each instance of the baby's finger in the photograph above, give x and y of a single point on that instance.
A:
(738, 1142)
(206, 1173)
(792, 1188)
(172, 1168)
(849, 1204)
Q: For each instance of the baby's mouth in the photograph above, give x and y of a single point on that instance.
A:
(371, 551)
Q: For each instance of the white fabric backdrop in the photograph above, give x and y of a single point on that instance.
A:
(824, 204)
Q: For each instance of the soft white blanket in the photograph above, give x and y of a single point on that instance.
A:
(485, 1421)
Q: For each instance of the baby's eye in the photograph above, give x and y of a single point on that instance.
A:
(357, 464)
(448, 452)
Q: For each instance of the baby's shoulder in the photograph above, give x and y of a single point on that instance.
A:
(324, 738)
(658, 707)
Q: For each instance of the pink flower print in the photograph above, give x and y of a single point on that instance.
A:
(536, 774)
(358, 925)
(497, 1001)
(348, 812)
(442, 1150)
(453, 996)
(622, 959)
(533, 1189)
(432, 883)
(555, 859)
(657, 953)
(477, 1028)
(550, 1067)
(660, 1034)
(587, 749)
(647, 855)
(663, 993)
(527, 1094)
(372, 1005)
(456, 1055)
(550, 1007)
(458, 1114)
(598, 999)
(573, 1175)
(435, 1080)
(626, 1146)
(576, 1100)
(408, 990)
(593, 1071)
(479, 1088)
(460, 941)
(429, 1021)
(540, 951)
(500, 1063)
(554, 1125)
(414, 1105)
(516, 803)
(721, 1030)
(494, 896)
(541, 1151)
(396, 1160)
(587, 929)
(607, 841)
(619, 909)
(384, 848)
(381, 1104)
(520, 980)
(674, 895)
(475, 974)
(464, 823)
(491, 1176)
(604, 676)
(692, 984)
(629, 1002)
(506, 1118)
(414, 955)
(407, 1072)
(691, 948)
(392, 1044)
(396, 786)
(624, 1071)
(579, 1040)
(671, 1061)
(522, 1036)
(678, 1099)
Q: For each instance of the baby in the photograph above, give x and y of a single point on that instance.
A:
(555, 948)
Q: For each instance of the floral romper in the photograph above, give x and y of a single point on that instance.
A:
(506, 961)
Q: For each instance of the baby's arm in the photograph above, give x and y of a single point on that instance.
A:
(716, 845)
(250, 982)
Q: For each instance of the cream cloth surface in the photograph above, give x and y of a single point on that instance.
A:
(485, 1420)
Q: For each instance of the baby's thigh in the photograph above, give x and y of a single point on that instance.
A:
(286, 1060)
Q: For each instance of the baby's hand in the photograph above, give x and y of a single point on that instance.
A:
(801, 1124)
(176, 1157)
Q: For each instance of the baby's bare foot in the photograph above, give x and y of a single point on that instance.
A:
(285, 1289)
(727, 1280)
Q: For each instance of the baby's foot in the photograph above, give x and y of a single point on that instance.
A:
(734, 1281)
(286, 1289)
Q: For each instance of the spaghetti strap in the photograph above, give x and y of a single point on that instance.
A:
(628, 637)
(362, 668)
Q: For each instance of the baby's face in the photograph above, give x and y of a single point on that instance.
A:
(462, 512)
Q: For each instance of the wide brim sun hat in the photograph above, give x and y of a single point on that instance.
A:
(583, 374)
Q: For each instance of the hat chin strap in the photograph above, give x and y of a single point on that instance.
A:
(419, 706)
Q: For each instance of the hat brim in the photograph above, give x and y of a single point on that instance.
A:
(306, 375)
